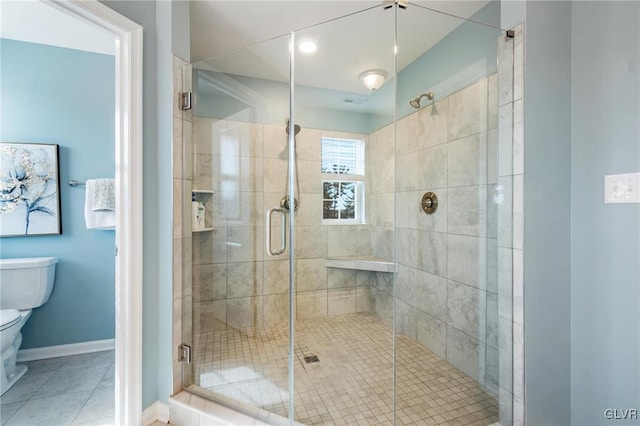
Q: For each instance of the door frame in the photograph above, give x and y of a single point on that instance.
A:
(128, 176)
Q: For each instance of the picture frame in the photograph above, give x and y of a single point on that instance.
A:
(29, 189)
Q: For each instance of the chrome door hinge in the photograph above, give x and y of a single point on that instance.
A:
(184, 100)
(185, 353)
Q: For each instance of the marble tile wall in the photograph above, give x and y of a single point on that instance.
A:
(446, 291)
(182, 235)
(235, 282)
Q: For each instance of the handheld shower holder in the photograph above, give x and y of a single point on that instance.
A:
(284, 204)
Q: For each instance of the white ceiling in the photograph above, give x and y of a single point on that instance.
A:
(36, 22)
(346, 47)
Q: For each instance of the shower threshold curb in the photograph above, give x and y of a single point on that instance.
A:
(188, 406)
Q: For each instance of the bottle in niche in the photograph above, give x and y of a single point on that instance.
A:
(197, 211)
(200, 215)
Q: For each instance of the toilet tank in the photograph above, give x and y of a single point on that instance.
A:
(26, 283)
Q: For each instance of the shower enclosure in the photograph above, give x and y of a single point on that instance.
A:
(386, 296)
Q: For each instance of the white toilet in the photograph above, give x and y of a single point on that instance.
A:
(24, 284)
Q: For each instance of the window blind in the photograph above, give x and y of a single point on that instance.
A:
(343, 156)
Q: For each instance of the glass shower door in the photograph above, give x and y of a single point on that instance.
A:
(452, 359)
(344, 226)
(241, 278)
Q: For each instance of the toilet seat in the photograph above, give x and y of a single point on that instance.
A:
(8, 317)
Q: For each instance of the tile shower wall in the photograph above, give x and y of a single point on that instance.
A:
(446, 286)
(235, 283)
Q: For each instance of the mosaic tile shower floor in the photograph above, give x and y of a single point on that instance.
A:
(352, 384)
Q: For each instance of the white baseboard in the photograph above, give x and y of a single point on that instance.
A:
(66, 350)
(163, 412)
(156, 412)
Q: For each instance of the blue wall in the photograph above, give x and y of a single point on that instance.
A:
(64, 96)
(605, 238)
(547, 163)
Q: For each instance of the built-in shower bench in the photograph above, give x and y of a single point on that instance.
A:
(362, 263)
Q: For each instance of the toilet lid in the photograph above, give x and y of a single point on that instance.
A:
(8, 317)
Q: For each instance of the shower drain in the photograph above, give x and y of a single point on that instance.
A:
(311, 358)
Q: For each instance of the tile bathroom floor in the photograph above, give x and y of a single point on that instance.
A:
(352, 384)
(71, 390)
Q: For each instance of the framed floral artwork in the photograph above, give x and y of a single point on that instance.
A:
(29, 190)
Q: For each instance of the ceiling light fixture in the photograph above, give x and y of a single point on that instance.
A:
(307, 46)
(373, 79)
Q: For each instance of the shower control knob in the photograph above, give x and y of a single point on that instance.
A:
(429, 202)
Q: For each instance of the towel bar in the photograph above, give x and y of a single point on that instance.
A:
(76, 183)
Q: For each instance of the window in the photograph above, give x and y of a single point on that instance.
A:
(343, 185)
(338, 200)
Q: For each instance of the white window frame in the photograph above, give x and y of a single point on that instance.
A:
(359, 180)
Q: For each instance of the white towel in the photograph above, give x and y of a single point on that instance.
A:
(97, 219)
(104, 194)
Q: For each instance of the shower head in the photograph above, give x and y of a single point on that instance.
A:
(416, 102)
(296, 128)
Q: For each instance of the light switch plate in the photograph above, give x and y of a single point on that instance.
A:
(624, 188)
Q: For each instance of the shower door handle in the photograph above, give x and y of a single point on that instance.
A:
(283, 233)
